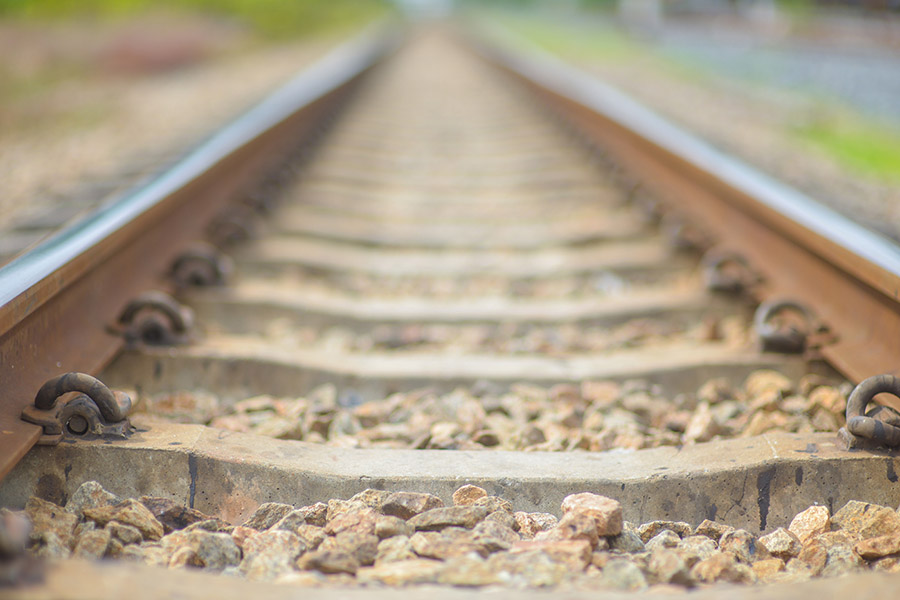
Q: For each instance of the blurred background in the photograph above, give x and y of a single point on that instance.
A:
(808, 90)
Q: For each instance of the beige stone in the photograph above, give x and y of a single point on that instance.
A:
(810, 523)
(762, 381)
(467, 495)
(722, 567)
(532, 523)
(573, 526)
(359, 518)
(404, 572)
(48, 518)
(877, 547)
(406, 505)
(781, 543)
(575, 554)
(765, 569)
(606, 512)
(866, 520)
(128, 512)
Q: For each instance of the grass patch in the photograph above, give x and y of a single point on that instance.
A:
(861, 146)
(594, 42)
(269, 18)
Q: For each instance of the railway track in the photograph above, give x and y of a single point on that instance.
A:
(451, 296)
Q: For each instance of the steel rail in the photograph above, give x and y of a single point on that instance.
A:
(848, 275)
(57, 301)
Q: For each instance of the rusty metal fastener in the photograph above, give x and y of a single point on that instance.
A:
(202, 265)
(727, 272)
(785, 339)
(96, 411)
(156, 319)
(235, 224)
(880, 423)
(681, 234)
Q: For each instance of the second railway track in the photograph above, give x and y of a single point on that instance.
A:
(452, 288)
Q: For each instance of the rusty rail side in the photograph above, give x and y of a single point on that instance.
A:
(848, 275)
(57, 301)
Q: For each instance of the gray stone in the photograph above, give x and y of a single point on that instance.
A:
(651, 529)
(450, 516)
(114, 549)
(185, 557)
(742, 544)
(329, 562)
(47, 518)
(269, 554)
(48, 545)
(504, 518)
(494, 503)
(496, 530)
(128, 512)
(527, 569)
(451, 542)
(211, 525)
(292, 521)
(363, 547)
(664, 539)
(86, 526)
(149, 554)
(374, 499)
(395, 549)
(310, 535)
(695, 548)
(722, 567)
(174, 516)
(622, 574)
(124, 533)
(628, 541)
(406, 505)
(92, 544)
(387, 526)
(841, 559)
(90, 494)
(668, 566)
(315, 514)
(267, 515)
(467, 571)
(781, 543)
(712, 530)
(216, 551)
(531, 524)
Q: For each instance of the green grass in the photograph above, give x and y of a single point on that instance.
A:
(270, 18)
(596, 44)
(858, 144)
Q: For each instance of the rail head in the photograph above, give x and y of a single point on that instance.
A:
(848, 274)
(57, 299)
